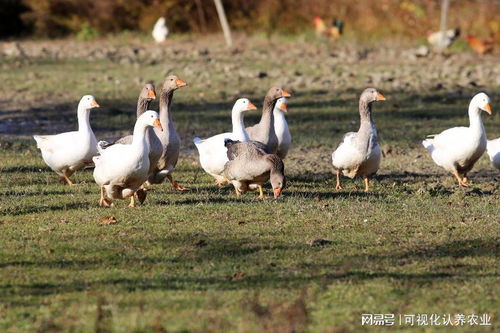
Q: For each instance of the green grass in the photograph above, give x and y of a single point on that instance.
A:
(203, 260)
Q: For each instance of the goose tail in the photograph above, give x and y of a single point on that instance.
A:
(428, 144)
(197, 141)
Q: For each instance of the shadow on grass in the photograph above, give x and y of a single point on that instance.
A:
(16, 211)
(35, 169)
(120, 114)
(219, 251)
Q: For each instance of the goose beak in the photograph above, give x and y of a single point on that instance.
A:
(380, 97)
(284, 107)
(180, 83)
(94, 104)
(487, 108)
(285, 93)
(152, 94)
(251, 106)
(157, 124)
(277, 193)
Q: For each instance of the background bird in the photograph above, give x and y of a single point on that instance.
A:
(481, 45)
(334, 31)
(160, 30)
(440, 41)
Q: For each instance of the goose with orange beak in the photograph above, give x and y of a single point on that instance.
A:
(457, 149)
(264, 131)
(165, 145)
(121, 169)
(67, 152)
(359, 154)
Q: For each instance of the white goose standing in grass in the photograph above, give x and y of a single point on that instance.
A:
(359, 154)
(213, 152)
(493, 150)
(121, 169)
(457, 149)
(281, 127)
(67, 152)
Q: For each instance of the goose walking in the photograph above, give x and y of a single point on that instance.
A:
(457, 149)
(67, 152)
(121, 169)
(250, 166)
(359, 154)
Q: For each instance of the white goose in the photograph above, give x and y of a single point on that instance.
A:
(67, 152)
(121, 169)
(493, 150)
(457, 149)
(213, 153)
(281, 127)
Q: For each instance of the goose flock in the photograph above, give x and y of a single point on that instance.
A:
(246, 157)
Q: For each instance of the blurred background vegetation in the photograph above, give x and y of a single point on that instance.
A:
(364, 18)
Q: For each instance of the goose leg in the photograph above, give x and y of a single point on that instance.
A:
(238, 193)
(141, 194)
(338, 186)
(175, 185)
(261, 192)
(103, 202)
(132, 201)
(465, 180)
(66, 178)
(367, 185)
(218, 183)
(459, 179)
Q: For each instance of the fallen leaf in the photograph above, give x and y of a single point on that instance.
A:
(108, 220)
(241, 222)
(238, 275)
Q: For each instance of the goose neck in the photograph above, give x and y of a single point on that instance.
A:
(142, 105)
(239, 126)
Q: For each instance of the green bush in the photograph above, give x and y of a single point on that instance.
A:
(87, 32)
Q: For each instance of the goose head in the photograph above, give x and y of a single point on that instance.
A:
(150, 118)
(243, 105)
(172, 82)
(148, 92)
(281, 104)
(370, 95)
(275, 93)
(277, 175)
(88, 102)
(481, 101)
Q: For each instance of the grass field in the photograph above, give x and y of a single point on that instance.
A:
(202, 260)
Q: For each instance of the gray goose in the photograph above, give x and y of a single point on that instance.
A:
(264, 130)
(359, 154)
(146, 96)
(165, 145)
(250, 166)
